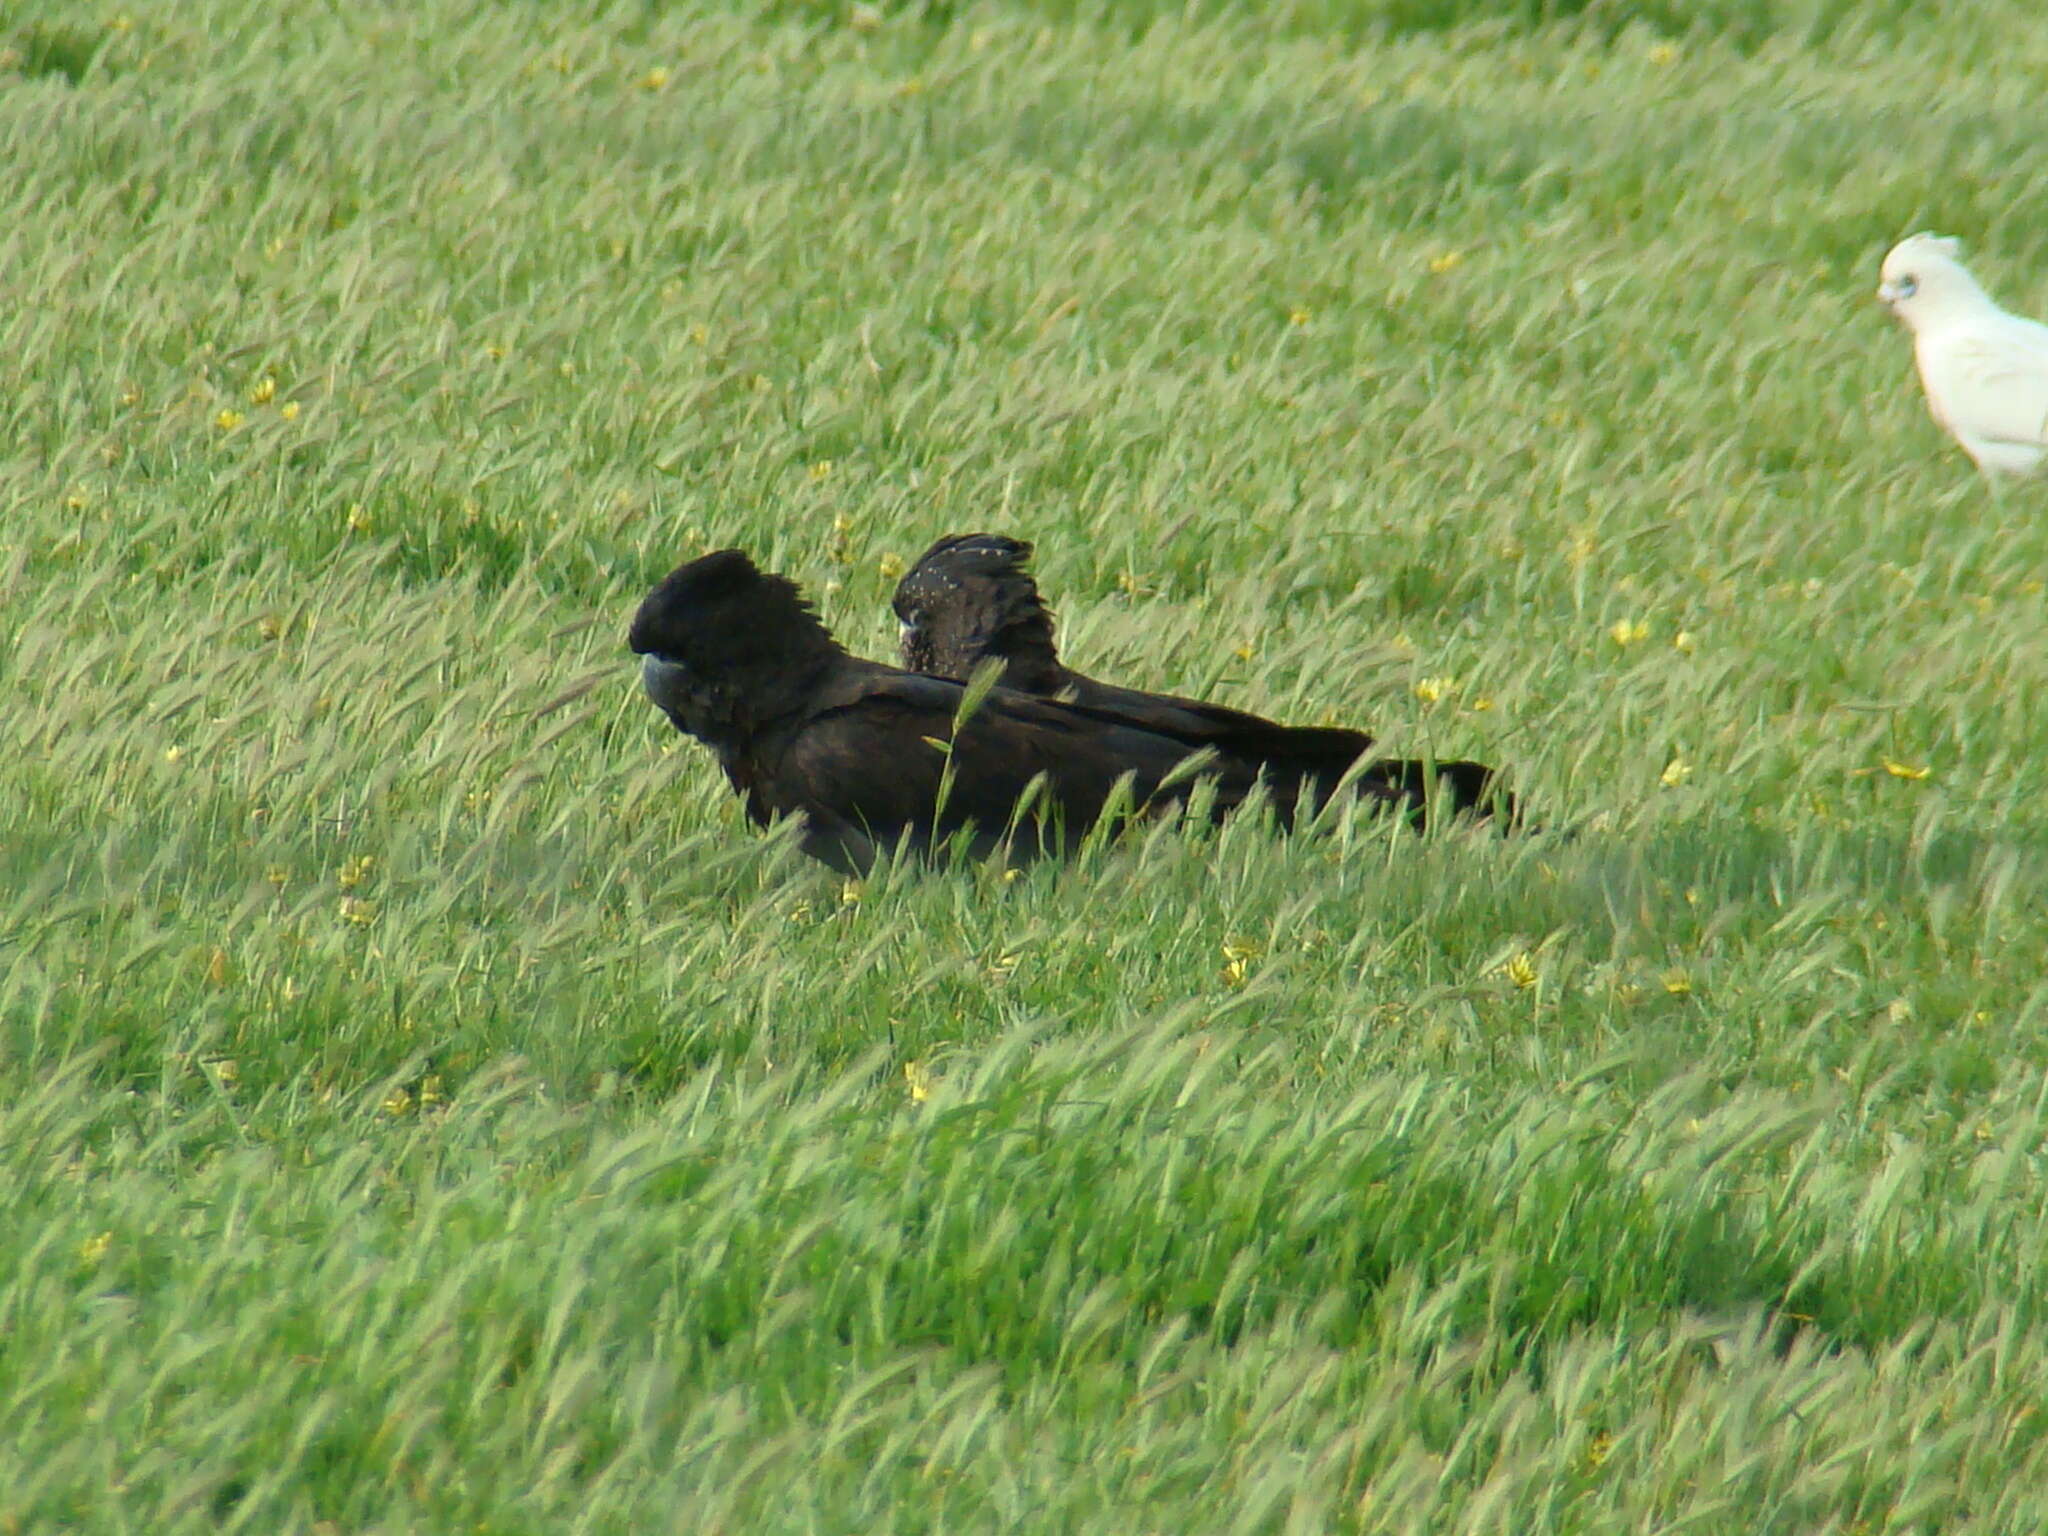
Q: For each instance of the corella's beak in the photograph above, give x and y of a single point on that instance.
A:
(1888, 293)
(904, 632)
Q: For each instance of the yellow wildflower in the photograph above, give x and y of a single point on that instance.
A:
(1683, 642)
(265, 389)
(289, 410)
(654, 79)
(891, 566)
(1902, 771)
(1439, 265)
(1521, 970)
(1675, 773)
(917, 1077)
(1663, 53)
(227, 421)
(1677, 983)
(1430, 689)
(1628, 631)
(94, 1248)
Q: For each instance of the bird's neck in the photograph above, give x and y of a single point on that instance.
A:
(1031, 662)
(735, 715)
(1959, 299)
(1034, 673)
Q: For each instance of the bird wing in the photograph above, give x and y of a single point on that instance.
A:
(1310, 749)
(1295, 758)
(876, 755)
(1991, 381)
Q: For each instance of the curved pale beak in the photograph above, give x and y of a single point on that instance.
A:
(659, 678)
(1888, 293)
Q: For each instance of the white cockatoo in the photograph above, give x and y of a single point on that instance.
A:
(1985, 371)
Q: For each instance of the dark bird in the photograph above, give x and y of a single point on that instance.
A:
(970, 598)
(869, 755)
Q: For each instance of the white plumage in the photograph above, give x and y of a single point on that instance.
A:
(1985, 371)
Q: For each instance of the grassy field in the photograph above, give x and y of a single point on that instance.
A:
(425, 1106)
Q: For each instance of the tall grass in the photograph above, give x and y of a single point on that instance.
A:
(427, 1106)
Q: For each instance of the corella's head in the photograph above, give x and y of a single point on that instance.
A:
(719, 639)
(1923, 278)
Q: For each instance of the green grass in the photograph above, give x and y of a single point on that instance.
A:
(428, 1108)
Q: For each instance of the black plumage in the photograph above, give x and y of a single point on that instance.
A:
(971, 599)
(869, 755)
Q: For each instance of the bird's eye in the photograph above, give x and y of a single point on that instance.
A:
(1908, 286)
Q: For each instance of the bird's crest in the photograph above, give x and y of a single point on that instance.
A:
(1948, 245)
(970, 554)
(724, 601)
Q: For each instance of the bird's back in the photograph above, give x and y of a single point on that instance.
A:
(878, 756)
(1986, 381)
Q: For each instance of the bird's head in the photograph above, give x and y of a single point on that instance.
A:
(1923, 275)
(970, 597)
(719, 634)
